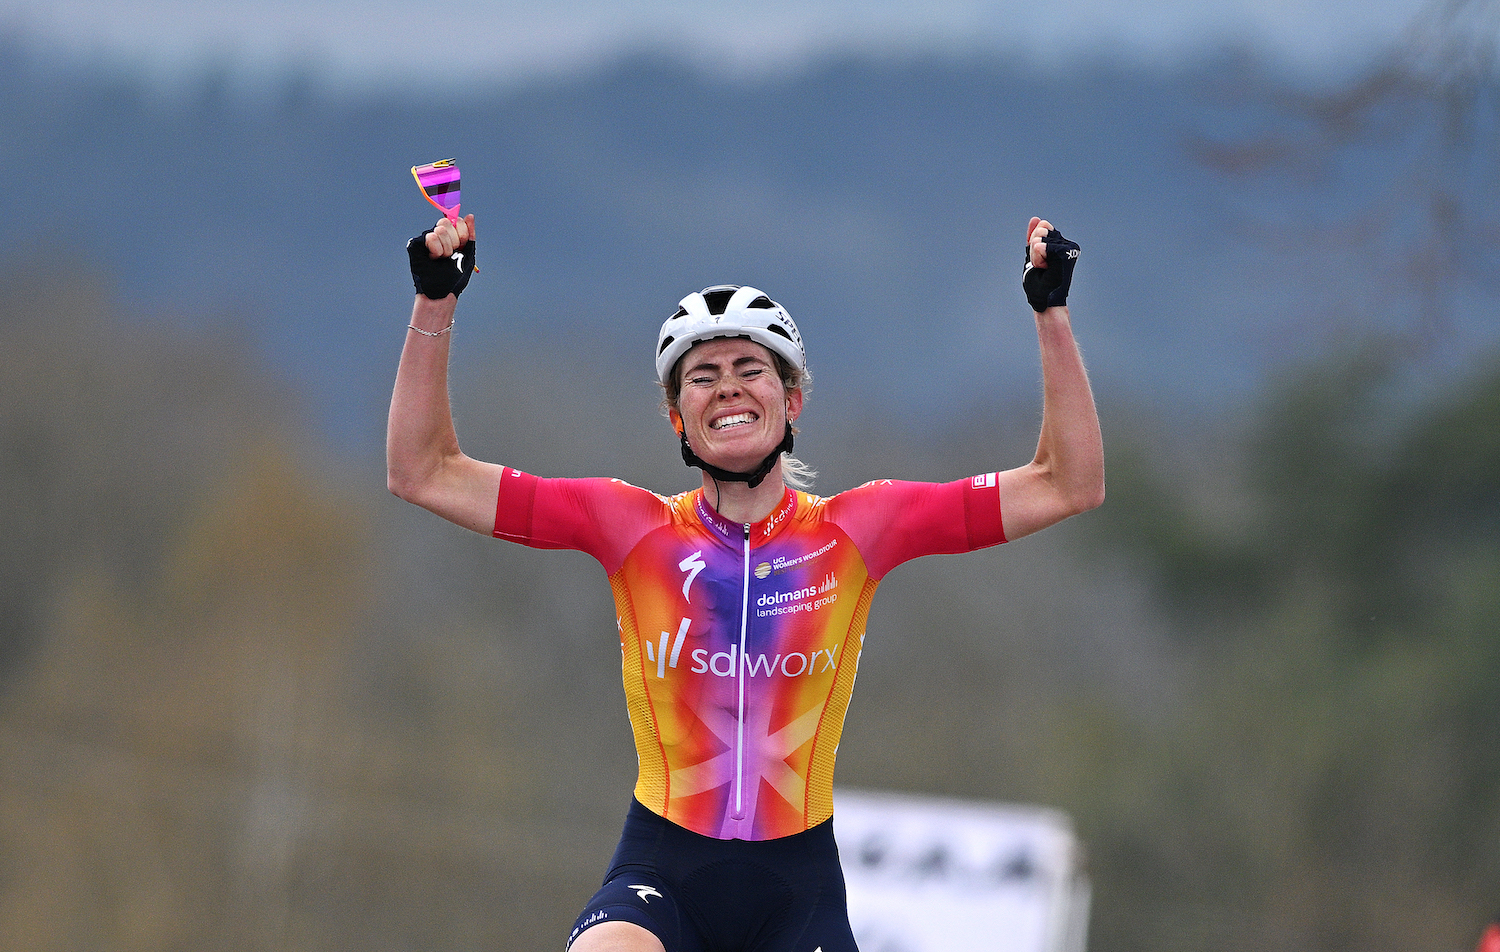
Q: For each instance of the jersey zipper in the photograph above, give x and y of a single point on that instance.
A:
(739, 742)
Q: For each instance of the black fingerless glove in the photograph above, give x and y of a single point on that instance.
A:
(1048, 287)
(439, 277)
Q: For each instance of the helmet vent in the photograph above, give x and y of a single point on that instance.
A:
(778, 329)
(681, 312)
(718, 298)
(762, 302)
(666, 342)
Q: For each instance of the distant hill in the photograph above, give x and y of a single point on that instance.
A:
(882, 202)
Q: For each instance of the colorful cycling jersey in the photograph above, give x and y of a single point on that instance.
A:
(740, 643)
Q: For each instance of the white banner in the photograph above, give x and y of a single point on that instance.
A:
(934, 875)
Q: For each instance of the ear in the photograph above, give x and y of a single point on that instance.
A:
(676, 419)
(793, 404)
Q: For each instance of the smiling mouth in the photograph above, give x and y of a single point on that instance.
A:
(733, 420)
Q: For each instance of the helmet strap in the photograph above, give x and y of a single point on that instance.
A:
(754, 477)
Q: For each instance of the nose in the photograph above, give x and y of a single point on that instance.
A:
(729, 386)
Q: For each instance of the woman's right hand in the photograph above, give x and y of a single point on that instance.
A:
(447, 236)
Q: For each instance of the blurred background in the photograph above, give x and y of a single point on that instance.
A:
(251, 701)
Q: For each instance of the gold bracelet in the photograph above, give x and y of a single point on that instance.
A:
(432, 333)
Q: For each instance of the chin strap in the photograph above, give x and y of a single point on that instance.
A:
(753, 478)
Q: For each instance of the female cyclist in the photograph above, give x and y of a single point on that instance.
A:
(741, 604)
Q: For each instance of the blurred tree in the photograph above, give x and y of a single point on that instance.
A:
(216, 730)
(1333, 780)
(180, 601)
(106, 432)
(171, 741)
(1406, 160)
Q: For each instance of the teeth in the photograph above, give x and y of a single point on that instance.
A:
(734, 420)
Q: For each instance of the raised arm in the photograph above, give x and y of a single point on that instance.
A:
(424, 464)
(1067, 475)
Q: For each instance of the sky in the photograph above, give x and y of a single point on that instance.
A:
(345, 43)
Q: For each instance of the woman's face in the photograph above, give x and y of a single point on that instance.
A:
(733, 407)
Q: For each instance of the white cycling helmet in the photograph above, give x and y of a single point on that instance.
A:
(727, 310)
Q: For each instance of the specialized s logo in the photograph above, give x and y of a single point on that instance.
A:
(692, 565)
(645, 892)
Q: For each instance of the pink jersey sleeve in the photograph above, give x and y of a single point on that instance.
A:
(892, 521)
(603, 517)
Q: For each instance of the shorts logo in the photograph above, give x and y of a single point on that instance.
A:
(645, 892)
(984, 481)
(595, 919)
